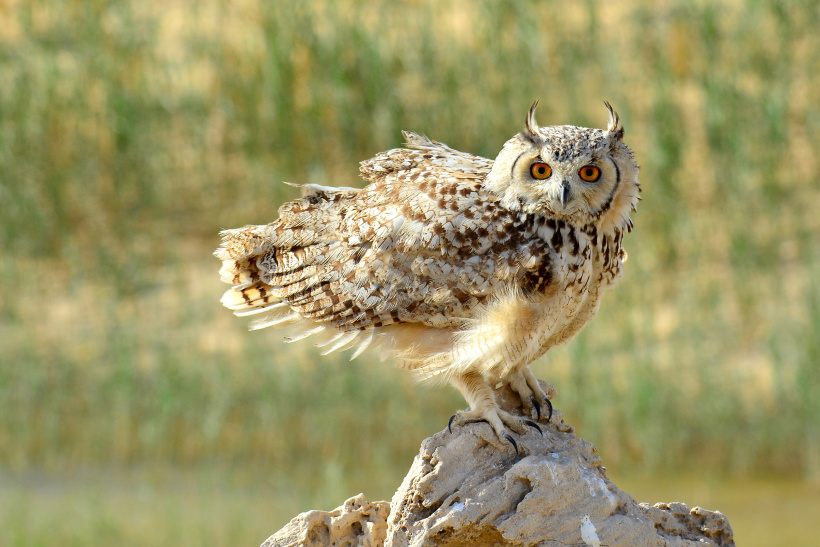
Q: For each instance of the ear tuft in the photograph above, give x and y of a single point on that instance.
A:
(531, 124)
(614, 127)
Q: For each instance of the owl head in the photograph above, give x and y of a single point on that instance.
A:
(577, 174)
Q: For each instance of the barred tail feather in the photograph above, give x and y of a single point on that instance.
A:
(242, 298)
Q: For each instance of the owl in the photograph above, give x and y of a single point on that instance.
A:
(459, 268)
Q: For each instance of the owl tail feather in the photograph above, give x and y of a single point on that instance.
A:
(256, 299)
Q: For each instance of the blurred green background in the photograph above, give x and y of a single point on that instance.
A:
(135, 410)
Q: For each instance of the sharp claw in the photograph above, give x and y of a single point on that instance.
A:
(549, 404)
(450, 423)
(537, 408)
(512, 442)
(535, 425)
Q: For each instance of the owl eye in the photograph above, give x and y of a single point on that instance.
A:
(590, 173)
(540, 171)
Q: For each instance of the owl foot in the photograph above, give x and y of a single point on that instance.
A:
(533, 398)
(501, 421)
(483, 408)
(527, 422)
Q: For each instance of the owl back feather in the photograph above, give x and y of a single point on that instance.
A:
(425, 157)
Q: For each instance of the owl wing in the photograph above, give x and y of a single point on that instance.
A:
(424, 242)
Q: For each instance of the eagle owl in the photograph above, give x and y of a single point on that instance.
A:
(460, 268)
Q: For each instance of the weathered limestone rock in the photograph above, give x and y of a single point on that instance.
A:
(468, 488)
(357, 523)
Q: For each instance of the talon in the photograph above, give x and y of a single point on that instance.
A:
(535, 425)
(537, 408)
(450, 423)
(549, 404)
(512, 442)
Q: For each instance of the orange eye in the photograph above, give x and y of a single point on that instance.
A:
(541, 171)
(590, 173)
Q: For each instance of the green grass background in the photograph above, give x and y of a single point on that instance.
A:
(135, 410)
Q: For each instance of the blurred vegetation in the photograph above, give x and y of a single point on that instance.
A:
(132, 132)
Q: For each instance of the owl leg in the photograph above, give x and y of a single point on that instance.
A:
(533, 398)
(483, 408)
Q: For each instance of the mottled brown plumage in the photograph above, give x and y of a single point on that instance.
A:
(459, 267)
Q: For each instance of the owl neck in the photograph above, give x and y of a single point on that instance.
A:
(616, 219)
(607, 223)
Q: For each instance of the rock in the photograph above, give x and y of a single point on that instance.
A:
(683, 526)
(468, 488)
(357, 523)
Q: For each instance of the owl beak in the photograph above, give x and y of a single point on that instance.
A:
(564, 193)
